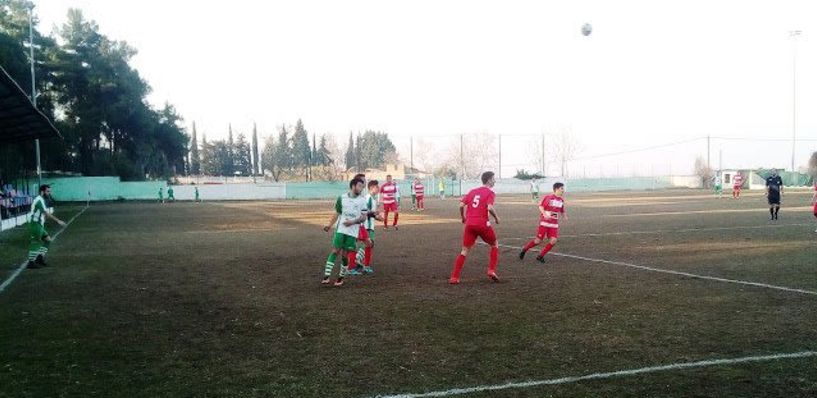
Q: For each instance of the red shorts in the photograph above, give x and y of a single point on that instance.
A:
(420, 197)
(737, 188)
(485, 232)
(547, 232)
(363, 235)
(390, 207)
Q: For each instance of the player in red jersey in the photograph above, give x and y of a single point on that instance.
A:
(551, 209)
(814, 200)
(479, 202)
(737, 184)
(390, 196)
(420, 192)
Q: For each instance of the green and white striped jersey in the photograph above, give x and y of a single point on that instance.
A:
(38, 209)
(371, 205)
(349, 208)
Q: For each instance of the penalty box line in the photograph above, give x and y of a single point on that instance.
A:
(667, 231)
(22, 266)
(679, 273)
(606, 375)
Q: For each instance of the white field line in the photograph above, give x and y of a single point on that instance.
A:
(680, 273)
(606, 375)
(664, 231)
(22, 266)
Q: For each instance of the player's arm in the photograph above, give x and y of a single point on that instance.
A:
(334, 219)
(55, 219)
(462, 211)
(492, 211)
(544, 212)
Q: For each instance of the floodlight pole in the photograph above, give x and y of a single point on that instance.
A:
(34, 88)
(793, 35)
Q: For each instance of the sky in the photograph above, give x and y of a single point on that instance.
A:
(650, 73)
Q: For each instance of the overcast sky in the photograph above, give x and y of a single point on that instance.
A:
(651, 72)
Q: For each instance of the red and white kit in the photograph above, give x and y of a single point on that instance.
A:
(419, 192)
(388, 196)
(549, 226)
(477, 223)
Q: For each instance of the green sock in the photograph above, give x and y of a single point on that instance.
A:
(330, 263)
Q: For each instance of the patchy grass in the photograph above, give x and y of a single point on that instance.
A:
(223, 299)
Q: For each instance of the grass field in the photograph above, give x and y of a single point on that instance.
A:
(224, 300)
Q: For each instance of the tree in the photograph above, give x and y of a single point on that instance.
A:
(323, 156)
(242, 155)
(231, 161)
(374, 149)
(566, 146)
(703, 171)
(523, 174)
(195, 159)
(300, 149)
(350, 160)
(472, 155)
(277, 154)
(256, 161)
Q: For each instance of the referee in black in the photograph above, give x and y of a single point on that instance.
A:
(774, 189)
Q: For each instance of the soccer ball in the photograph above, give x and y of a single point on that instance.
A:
(587, 29)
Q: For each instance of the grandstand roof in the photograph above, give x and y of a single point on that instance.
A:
(19, 118)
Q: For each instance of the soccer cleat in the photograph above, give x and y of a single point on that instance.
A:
(41, 261)
(368, 270)
(540, 259)
(522, 254)
(354, 272)
(325, 281)
(492, 276)
(339, 282)
(395, 228)
(33, 265)
(453, 281)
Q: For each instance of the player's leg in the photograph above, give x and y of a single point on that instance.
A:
(815, 214)
(35, 244)
(776, 210)
(488, 235)
(553, 237)
(43, 250)
(367, 254)
(540, 234)
(396, 216)
(469, 237)
(333, 256)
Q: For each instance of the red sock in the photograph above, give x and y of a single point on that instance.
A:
(396, 216)
(352, 258)
(529, 246)
(367, 258)
(494, 260)
(458, 267)
(546, 249)
(386, 219)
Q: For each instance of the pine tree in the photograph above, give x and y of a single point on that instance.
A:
(300, 149)
(350, 153)
(256, 165)
(195, 159)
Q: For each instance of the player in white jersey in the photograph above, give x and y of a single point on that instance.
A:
(40, 239)
(350, 213)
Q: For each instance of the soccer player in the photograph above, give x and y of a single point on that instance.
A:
(814, 200)
(737, 181)
(774, 190)
(40, 239)
(717, 184)
(161, 195)
(534, 190)
(366, 236)
(551, 209)
(479, 203)
(170, 196)
(441, 187)
(198, 198)
(389, 195)
(350, 212)
(420, 190)
(413, 196)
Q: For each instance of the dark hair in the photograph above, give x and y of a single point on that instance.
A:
(44, 187)
(354, 182)
(373, 183)
(558, 185)
(361, 176)
(487, 176)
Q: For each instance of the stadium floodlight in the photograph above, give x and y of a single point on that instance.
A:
(793, 35)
